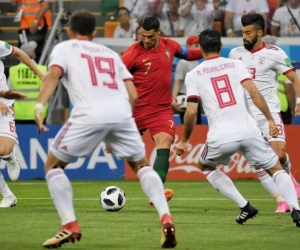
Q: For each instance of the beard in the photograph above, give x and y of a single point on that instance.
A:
(249, 45)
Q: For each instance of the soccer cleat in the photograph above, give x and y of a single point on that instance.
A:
(168, 239)
(168, 193)
(297, 186)
(247, 212)
(296, 217)
(282, 207)
(9, 201)
(68, 233)
(13, 169)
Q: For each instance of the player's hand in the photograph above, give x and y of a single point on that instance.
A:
(273, 129)
(108, 149)
(181, 147)
(39, 120)
(4, 110)
(297, 109)
(12, 94)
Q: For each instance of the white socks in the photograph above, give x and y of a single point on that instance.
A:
(154, 189)
(287, 165)
(222, 183)
(268, 183)
(62, 194)
(4, 189)
(286, 188)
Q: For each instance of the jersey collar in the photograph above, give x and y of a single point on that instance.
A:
(255, 50)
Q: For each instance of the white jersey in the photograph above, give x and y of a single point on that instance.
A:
(94, 77)
(263, 65)
(217, 82)
(5, 50)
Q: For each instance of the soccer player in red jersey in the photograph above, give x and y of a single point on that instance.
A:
(150, 62)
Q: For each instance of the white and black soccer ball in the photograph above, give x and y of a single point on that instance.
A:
(112, 199)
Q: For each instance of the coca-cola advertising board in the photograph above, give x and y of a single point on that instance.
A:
(185, 167)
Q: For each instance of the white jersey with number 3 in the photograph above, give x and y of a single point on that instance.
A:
(263, 65)
(94, 77)
(5, 50)
(218, 82)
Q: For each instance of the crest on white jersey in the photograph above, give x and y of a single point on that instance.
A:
(261, 61)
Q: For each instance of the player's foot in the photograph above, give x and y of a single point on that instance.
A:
(282, 207)
(168, 193)
(9, 201)
(296, 217)
(297, 186)
(68, 233)
(247, 212)
(168, 239)
(13, 169)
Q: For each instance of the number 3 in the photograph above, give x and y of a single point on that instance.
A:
(252, 72)
(98, 65)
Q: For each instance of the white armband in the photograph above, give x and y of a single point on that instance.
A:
(39, 106)
(298, 100)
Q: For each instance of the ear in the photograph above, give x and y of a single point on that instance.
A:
(221, 47)
(70, 33)
(260, 33)
(94, 33)
(159, 32)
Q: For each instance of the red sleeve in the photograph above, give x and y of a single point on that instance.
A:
(184, 53)
(129, 56)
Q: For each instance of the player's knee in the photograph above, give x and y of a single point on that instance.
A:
(281, 155)
(136, 165)
(5, 151)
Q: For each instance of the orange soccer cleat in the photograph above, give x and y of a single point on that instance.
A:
(168, 193)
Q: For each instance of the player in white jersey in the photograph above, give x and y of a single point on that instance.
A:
(263, 62)
(103, 94)
(219, 83)
(8, 136)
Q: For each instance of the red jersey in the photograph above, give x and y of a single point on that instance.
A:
(152, 70)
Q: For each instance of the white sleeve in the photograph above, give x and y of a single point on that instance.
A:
(242, 71)
(230, 55)
(57, 58)
(191, 87)
(5, 49)
(276, 18)
(282, 62)
(263, 7)
(230, 6)
(123, 71)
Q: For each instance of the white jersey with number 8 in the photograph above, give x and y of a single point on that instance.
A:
(218, 82)
(94, 77)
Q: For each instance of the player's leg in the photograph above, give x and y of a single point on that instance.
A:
(265, 179)
(8, 138)
(73, 140)
(209, 158)
(126, 142)
(259, 153)
(9, 199)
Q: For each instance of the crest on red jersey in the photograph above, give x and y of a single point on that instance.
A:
(167, 52)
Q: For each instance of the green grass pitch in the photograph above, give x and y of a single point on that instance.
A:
(204, 219)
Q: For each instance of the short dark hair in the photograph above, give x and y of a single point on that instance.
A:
(210, 40)
(150, 23)
(253, 19)
(83, 23)
(122, 8)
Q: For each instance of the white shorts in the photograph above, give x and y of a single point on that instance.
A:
(263, 124)
(80, 140)
(8, 126)
(256, 150)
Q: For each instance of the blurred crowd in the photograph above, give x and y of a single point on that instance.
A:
(182, 18)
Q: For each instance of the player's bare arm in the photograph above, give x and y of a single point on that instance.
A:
(292, 76)
(133, 96)
(47, 90)
(12, 94)
(190, 119)
(22, 57)
(261, 104)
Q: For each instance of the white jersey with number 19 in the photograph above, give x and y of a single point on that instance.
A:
(218, 82)
(263, 65)
(94, 77)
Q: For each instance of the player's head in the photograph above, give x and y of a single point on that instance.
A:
(123, 15)
(210, 42)
(82, 25)
(253, 29)
(150, 31)
(192, 42)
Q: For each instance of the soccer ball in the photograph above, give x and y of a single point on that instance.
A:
(112, 199)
